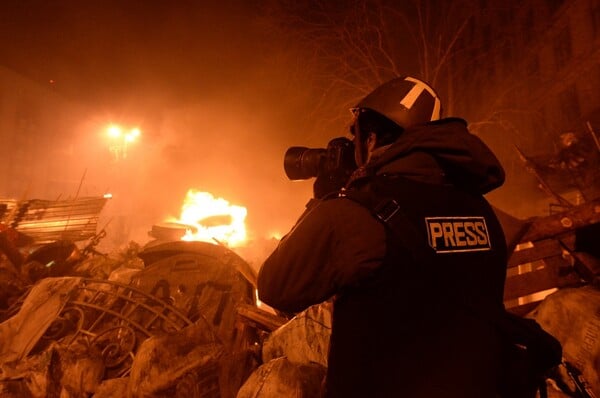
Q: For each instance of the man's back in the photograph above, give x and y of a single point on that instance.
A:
(405, 305)
(411, 329)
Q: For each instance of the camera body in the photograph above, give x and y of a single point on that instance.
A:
(332, 166)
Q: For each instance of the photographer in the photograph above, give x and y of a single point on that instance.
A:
(403, 286)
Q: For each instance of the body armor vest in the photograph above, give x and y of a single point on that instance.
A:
(404, 331)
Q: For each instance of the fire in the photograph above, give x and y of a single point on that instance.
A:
(212, 219)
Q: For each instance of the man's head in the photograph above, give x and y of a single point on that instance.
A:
(382, 115)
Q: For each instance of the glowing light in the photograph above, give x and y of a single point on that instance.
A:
(213, 219)
(132, 135)
(114, 131)
(120, 140)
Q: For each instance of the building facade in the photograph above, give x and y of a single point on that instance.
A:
(528, 72)
(36, 139)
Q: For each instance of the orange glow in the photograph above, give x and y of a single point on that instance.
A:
(114, 131)
(275, 235)
(213, 219)
(132, 135)
(120, 139)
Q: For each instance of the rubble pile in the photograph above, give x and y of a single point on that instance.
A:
(176, 318)
(144, 322)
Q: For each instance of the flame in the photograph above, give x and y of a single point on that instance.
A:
(212, 219)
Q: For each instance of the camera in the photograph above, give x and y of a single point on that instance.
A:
(332, 166)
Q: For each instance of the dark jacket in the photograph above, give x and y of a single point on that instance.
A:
(401, 323)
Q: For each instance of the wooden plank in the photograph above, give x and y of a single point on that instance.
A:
(568, 241)
(587, 265)
(566, 272)
(556, 224)
(46, 221)
(557, 273)
(524, 309)
(531, 282)
(540, 250)
(259, 318)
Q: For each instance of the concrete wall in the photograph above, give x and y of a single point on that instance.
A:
(37, 129)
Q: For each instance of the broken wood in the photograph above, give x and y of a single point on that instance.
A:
(549, 258)
(570, 220)
(260, 319)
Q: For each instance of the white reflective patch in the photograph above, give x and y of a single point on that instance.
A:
(435, 115)
(457, 234)
(411, 97)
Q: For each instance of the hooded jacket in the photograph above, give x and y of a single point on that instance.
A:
(395, 332)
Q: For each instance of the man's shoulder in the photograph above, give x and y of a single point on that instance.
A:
(344, 203)
(340, 208)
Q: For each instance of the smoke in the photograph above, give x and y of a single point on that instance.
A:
(217, 97)
(221, 145)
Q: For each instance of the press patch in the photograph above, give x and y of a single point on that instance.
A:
(457, 234)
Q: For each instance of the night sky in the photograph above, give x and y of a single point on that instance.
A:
(100, 51)
(211, 85)
(219, 92)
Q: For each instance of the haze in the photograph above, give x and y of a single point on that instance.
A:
(221, 90)
(209, 87)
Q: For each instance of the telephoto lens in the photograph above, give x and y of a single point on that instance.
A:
(301, 163)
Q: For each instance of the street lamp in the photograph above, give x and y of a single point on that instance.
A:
(120, 138)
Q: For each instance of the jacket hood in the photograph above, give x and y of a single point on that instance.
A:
(441, 148)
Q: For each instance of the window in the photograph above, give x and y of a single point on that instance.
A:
(533, 65)
(528, 23)
(486, 38)
(506, 52)
(554, 5)
(504, 15)
(595, 15)
(470, 29)
(569, 104)
(562, 48)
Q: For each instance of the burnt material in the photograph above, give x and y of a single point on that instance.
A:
(158, 250)
(168, 231)
(46, 221)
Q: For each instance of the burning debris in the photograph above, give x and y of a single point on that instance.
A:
(209, 219)
(179, 317)
(89, 323)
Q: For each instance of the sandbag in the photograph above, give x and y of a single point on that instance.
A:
(282, 378)
(162, 361)
(45, 301)
(112, 388)
(572, 315)
(304, 339)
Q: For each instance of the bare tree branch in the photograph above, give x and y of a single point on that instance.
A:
(350, 50)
